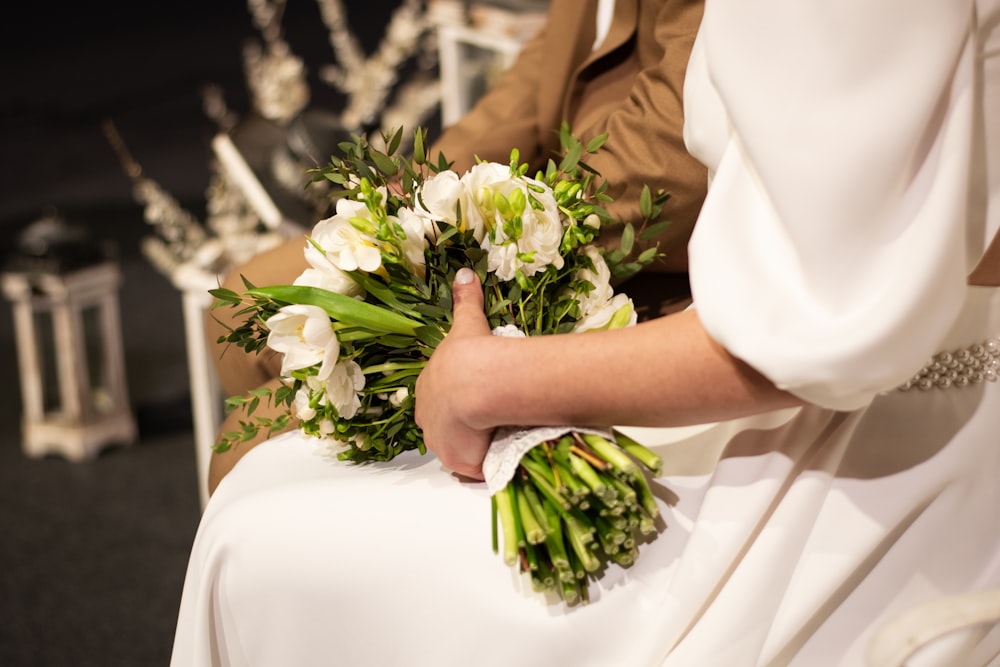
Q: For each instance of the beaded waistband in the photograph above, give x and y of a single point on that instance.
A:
(960, 368)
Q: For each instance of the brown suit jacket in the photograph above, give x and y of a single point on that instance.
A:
(987, 271)
(630, 87)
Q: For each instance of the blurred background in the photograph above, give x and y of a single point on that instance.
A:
(93, 553)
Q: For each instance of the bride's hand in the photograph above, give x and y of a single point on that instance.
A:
(449, 385)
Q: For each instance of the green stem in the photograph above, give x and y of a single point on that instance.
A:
(579, 538)
(646, 498)
(531, 528)
(543, 485)
(589, 476)
(494, 523)
(505, 508)
(554, 542)
(570, 591)
(514, 506)
(535, 502)
(646, 456)
(530, 557)
(611, 453)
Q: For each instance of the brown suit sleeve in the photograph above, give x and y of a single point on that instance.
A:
(645, 137)
(505, 117)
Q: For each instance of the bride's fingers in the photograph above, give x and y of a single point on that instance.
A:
(467, 305)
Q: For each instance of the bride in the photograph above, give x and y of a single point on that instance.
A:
(827, 410)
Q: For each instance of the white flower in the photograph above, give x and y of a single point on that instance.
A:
(481, 183)
(540, 234)
(600, 278)
(347, 247)
(331, 279)
(415, 242)
(617, 313)
(398, 396)
(508, 331)
(343, 388)
(305, 336)
(302, 404)
(438, 198)
(325, 274)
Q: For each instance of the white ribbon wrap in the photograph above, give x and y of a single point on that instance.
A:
(510, 443)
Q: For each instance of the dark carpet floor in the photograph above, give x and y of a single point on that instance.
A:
(92, 555)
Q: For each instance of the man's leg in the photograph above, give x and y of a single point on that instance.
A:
(222, 462)
(238, 371)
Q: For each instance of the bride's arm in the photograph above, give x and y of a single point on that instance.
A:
(665, 372)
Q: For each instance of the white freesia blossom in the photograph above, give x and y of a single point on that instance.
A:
(617, 313)
(439, 197)
(347, 247)
(481, 183)
(397, 397)
(305, 336)
(333, 280)
(343, 388)
(325, 274)
(302, 404)
(415, 228)
(540, 235)
(600, 278)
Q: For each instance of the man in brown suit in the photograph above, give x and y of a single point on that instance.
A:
(629, 85)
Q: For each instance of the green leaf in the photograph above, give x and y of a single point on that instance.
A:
(227, 296)
(430, 336)
(357, 334)
(383, 293)
(341, 308)
(646, 203)
(654, 231)
(627, 239)
(395, 141)
(419, 154)
(595, 144)
(647, 255)
(384, 163)
(572, 158)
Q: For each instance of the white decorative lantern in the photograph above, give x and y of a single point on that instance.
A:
(64, 291)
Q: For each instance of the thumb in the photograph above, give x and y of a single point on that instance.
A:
(467, 305)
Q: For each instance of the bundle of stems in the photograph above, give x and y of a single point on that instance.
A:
(574, 505)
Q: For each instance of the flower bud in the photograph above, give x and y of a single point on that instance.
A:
(621, 317)
(484, 201)
(362, 225)
(397, 398)
(517, 201)
(502, 205)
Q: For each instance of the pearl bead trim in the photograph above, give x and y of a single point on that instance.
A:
(968, 366)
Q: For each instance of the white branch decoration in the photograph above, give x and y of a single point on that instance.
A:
(368, 82)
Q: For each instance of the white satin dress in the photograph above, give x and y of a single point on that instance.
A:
(855, 153)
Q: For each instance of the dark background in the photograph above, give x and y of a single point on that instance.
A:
(92, 555)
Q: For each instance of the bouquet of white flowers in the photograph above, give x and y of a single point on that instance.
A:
(356, 328)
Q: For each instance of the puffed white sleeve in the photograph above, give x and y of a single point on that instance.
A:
(830, 252)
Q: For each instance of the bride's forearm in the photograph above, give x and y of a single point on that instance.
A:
(666, 372)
